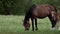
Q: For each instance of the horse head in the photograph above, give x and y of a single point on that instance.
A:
(26, 24)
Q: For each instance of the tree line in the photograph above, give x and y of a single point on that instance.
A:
(19, 7)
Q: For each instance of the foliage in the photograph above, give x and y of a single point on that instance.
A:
(14, 6)
(56, 3)
(18, 7)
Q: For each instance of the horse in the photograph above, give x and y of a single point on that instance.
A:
(39, 11)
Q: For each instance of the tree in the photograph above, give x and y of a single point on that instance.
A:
(5, 7)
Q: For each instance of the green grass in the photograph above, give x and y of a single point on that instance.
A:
(13, 25)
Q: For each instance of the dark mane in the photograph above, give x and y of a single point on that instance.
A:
(29, 12)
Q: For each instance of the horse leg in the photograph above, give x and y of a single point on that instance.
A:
(32, 24)
(52, 22)
(36, 24)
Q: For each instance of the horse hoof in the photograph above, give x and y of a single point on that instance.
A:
(52, 28)
(26, 29)
(33, 30)
(36, 29)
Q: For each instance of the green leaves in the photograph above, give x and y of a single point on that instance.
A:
(56, 3)
(18, 7)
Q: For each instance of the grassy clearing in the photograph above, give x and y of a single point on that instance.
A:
(13, 25)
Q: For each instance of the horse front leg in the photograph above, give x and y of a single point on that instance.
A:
(36, 24)
(32, 24)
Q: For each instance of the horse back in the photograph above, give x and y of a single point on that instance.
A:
(42, 10)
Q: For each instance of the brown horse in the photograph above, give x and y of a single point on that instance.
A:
(39, 11)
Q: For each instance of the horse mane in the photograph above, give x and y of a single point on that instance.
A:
(29, 12)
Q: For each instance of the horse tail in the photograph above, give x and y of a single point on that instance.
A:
(54, 7)
(29, 12)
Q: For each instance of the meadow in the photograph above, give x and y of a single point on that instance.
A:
(14, 25)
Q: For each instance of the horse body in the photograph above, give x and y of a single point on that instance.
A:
(39, 11)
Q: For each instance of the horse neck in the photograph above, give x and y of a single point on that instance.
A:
(29, 13)
(27, 17)
(26, 20)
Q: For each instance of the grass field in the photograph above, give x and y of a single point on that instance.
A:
(13, 25)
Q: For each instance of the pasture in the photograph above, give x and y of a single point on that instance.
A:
(13, 25)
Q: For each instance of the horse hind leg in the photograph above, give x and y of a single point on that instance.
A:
(53, 23)
(36, 24)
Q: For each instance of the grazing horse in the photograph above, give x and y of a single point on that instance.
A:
(39, 11)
